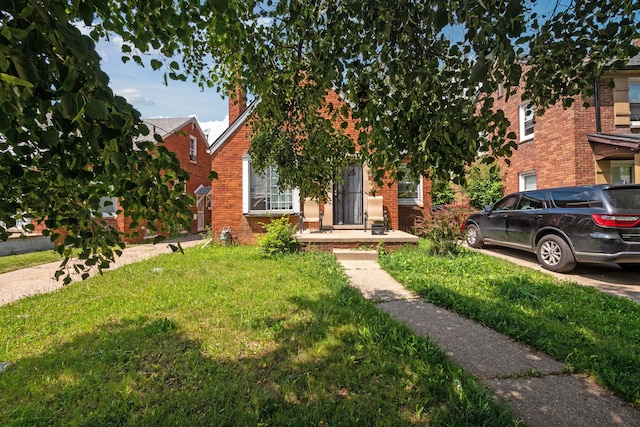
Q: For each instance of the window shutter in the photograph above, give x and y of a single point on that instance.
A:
(296, 199)
(621, 109)
(246, 184)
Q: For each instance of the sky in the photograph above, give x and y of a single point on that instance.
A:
(144, 88)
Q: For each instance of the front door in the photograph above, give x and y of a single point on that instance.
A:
(347, 197)
(200, 204)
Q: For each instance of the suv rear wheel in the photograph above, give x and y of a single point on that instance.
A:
(474, 236)
(555, 254)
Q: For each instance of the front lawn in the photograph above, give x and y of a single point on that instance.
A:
(592, 332)
(225, 337)
(16, 262)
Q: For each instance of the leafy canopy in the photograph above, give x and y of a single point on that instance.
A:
(416, 76)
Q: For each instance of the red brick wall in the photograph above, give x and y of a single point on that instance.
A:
(559, 152)
(198, 171)
(227, 189)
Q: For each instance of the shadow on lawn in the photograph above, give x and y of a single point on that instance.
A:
(145, 372)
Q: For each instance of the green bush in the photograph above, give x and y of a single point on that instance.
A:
(279, 237)
(442, 194)
(484, 185)
(444, 229)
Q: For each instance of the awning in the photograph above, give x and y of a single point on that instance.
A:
(609, 145)
(202, 191)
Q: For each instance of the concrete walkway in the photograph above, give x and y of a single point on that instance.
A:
(536, 387)
(39, 279)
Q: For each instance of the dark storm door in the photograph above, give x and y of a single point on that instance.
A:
(347, 196)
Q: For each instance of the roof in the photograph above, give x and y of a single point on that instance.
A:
(610, 145)
(629, 140)
(168, 125)
(202, 190)
(633, 63)
(233, 127)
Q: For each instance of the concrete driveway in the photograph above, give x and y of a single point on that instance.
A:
(608, 278)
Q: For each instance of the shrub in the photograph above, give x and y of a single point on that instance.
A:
(442, 194)
(279, 237)
(444, 229)
(484, 185)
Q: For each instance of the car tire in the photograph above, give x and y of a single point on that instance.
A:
(474, 236)
(630, 267)
(555, 254)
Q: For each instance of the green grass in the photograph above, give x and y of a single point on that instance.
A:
(225, 337)
(16, 262)
(592, 332)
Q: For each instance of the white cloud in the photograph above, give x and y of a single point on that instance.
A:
(214, 128)
(134, 96)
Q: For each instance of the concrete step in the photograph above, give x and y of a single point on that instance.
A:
(355, 255)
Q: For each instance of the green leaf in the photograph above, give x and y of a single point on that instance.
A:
(155, 64)
(97, 109)
(15, 80)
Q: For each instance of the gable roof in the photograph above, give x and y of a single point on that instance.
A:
(166, 126)
(633, 62)
(233, 127)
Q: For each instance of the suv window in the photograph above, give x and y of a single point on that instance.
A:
(506, 204)
(575, 199)
(531, 201)
(623, 198)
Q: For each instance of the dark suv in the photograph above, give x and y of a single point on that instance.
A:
(595, 223)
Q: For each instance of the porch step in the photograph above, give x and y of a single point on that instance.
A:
(355, 255)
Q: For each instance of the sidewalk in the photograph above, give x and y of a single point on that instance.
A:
(536, 387)
(39, 279)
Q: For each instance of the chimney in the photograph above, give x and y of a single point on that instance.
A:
(237, 103)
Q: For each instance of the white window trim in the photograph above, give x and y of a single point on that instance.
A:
(246, 194)
(521, 180)
(412, 200)
(624, 163)
(634, 81)
(193, 154)
(522, 113)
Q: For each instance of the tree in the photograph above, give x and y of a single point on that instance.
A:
(67, 142)
(417, 77)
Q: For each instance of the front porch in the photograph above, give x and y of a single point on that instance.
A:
(351, 239)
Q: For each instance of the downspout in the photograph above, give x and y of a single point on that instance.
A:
(596, 97)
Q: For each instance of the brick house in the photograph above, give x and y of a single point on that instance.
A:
(578, 145)
(243, 200)
(184, 137)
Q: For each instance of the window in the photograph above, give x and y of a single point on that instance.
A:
(527, 116)
(622, 171)
(506, 204)
(410, 191)
(193, 149)
(528, 181)
(108, 207)
(534, 200)
(574, 199)
(261, 193)
(634, 101)
(208, 201)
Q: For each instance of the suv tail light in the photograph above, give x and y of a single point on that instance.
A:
(621, 221)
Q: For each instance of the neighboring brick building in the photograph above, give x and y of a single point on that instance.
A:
(244, 200)
(578, 145)
(184, 137)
